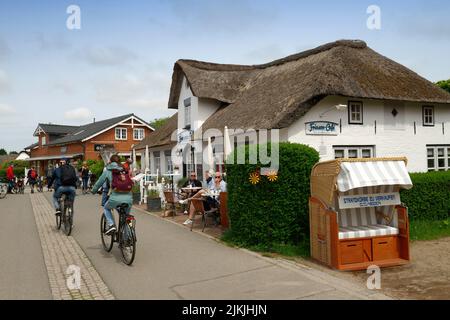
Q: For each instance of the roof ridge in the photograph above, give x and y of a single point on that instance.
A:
(205, 65)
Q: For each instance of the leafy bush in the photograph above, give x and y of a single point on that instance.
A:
(429, 198)
(271, 213)
(153, 194)
(181, 182)
(136, 188)
(96, 167)
(19, 168)
(16, 163)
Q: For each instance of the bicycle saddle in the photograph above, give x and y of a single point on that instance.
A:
(123, 206)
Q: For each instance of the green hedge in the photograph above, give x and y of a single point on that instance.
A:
(271, 212)
(429, 199)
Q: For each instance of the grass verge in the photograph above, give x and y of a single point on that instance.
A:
(274, 249)
(429, 230)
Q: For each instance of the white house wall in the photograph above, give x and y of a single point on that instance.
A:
(389, 140)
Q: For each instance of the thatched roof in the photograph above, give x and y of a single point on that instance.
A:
(281, 91)
(161, 136)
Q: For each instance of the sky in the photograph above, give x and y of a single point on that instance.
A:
(121, 59)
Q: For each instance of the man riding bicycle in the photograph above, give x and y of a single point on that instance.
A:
(120, 190)
(65, 179)
(10, 176)
(32, 178)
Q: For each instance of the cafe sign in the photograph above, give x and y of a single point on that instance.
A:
(369, 200)
(184, 137)
(321, 128)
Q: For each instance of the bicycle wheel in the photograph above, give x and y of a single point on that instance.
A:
(68, 218)
(3, 191)
(107, 240)
(128, 244)
(59, 218)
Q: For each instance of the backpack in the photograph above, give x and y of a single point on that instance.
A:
(33, 174)
(68, 176)
(121, 181)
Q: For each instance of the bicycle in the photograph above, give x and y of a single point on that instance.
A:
(125, 235)
(40, 185)
(66, 216)
(3, 190)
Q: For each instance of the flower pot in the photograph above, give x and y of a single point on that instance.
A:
(153, 204)
(136, 197)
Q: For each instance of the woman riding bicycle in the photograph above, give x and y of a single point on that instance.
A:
(120, 192)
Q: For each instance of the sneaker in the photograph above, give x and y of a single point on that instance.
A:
(188, 221)
(110, 230)
(58, 212)
(185, 212)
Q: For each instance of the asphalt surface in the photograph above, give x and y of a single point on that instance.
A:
(174, 263)
(23, 274)
(171, 262)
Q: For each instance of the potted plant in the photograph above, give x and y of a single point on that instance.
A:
(153, 200)
(136, 193)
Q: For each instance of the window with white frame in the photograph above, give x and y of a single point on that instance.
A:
(187, 113)
(354, 152)
(138, 134)
(438, 158)
(355, 112)
(121, 133)
(428, 116)
(157, 162)
(168, 158)
(44, 140)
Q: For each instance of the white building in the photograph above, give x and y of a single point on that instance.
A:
(342, 98)
(23, 155)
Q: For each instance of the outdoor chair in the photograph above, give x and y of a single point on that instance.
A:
(170, 203)
(200, 209)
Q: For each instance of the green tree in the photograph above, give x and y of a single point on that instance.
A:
(158, 122)
(13, 153)
(3, 152)
(444, 84)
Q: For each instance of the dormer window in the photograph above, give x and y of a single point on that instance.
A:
(44, 140)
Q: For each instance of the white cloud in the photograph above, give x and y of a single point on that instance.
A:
(147, 103)
(78, 114)
(5, 84)
(6, 110)
(148, 89)
(4, 49)
(107, 56)
(51, 42)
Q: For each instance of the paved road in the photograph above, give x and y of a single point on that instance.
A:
(23, 274)
(174, 263)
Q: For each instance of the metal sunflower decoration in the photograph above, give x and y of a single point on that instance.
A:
(272, 176)
(254, 178)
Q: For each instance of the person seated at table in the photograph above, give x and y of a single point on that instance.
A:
(209, 179)
(191, 183)
(208, 202)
